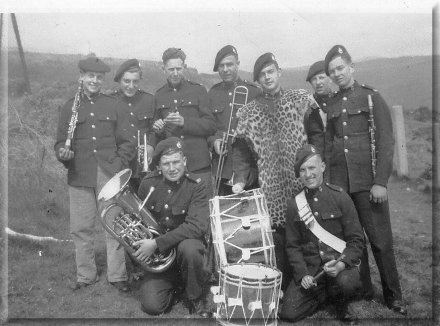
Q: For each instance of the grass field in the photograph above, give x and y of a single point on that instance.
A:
(39, 274)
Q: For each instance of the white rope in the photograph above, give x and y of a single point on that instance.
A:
(31, 237)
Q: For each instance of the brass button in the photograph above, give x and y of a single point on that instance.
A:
(230, 94)
(183, 211)
(92, 114)
(108, 118)
(344, 98)
(346, 150)
(93, 126)
(189, 102)
(91, 102)
(182, 137)
(175, 101)
(344, 110)
(345, 137)
(169, 191)
(316, 213)
(331, 215)
(132, 125)
(129, 104)
(315, 199)
(94, 138)
(167, 218)
(131, 113)
(166, 206)
(94, 151)
(344, 123)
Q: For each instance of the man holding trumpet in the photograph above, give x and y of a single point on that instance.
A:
(140, 107)
(93, 144)
(225, 98)
(322, 233)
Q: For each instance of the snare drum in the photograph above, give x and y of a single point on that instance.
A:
(241, 229)
(248, 294)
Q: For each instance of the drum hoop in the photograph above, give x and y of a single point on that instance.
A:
(250, 279)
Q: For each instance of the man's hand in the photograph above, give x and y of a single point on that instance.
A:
(147, 247)
(158, 125)
(150, 151)
(333, 271)
(218, 143)
(238, 188)
(65, 154)
(378, 194)
(308, 281)
(174, 118)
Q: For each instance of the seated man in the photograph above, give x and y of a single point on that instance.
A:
(179, 204)
(322, 233)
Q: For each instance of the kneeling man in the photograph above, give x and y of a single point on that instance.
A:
(323, 237)
(179, 204)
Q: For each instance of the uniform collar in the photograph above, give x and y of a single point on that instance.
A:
(349, 89)
(312, 192)
(274, 97)
(174, 184)
(232, 85)
(177, 87)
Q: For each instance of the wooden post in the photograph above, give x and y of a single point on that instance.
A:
(400, 153)
(20, 51)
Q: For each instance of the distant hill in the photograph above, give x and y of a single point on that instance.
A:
(405, 80)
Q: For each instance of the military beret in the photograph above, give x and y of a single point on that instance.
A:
(173, 53)
(262, 62)
(124, 67)
(314, 69)
(337, 50)
(302, 155)
(224, 51)
(93, 64)
(167, 146)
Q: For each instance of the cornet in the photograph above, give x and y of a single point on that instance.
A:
(142, 155)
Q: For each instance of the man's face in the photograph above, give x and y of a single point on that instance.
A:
(129, 83)
(92, 81)
(173, 166)
(341, 72)
(174, 69)
(321, 83)
(269, 79)
(228, 68)
(311, 172)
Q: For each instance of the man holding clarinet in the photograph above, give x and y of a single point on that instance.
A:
(324, 242)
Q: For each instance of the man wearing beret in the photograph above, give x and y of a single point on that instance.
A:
(315, 121)
(179, 204)
(323, 237)
(100, 147)
(270, 129)
(225, 98)
(140, 107)
(182, 110)
(362, 170)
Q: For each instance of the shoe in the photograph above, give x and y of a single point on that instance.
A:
(199, 307)
(345, 313)
(79, 285)
(122, 286)
(397, 306)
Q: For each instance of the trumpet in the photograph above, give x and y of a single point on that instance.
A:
(243, 92)
(142, 155)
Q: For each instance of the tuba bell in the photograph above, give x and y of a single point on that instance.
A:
(132, 222)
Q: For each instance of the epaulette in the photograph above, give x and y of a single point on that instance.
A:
(334, 187)
(194, 83)
(144, 92)
(193, 177)
(247, 82)
(369, 87)
(153, 174)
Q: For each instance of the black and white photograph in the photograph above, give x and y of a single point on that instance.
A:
(219, 163)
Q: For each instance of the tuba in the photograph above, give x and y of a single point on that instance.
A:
(133, 223)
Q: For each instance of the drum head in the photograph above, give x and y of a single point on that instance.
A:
(114, 185)
(252, 271)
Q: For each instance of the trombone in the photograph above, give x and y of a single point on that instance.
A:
(238, 100)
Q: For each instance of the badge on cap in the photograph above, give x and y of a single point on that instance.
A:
(234, 50)
(340, 50)
(312, 149)
(178, 144)
(273, 57)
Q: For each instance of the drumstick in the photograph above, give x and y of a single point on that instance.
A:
(317, 277)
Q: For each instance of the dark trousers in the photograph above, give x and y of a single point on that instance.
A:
(299, 303)
(279, 240)
(189, 270)
(375, 219)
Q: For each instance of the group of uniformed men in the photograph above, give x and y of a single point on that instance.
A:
(263, 142)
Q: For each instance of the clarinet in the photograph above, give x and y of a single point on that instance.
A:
(74, 117)
(372, 129)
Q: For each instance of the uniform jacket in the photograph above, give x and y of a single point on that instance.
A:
(271, 130)
(349, 156)
(335, 212)
(101, 137)
(314, 125)
(140, 109)
(191, 101)
(181, 207)
(221, 96)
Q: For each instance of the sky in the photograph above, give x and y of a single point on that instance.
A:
(297, 33)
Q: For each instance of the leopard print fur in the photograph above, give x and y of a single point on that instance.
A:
(274, 131)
